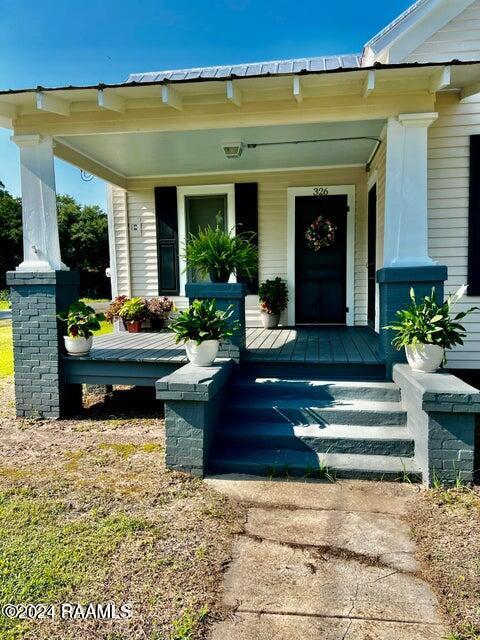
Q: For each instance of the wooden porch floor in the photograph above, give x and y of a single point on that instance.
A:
(326, 345)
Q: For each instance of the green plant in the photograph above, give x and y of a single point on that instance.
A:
(4, 295)
(185, 626)
(133, 310)
(218, 253)
(113, 310)
(427, 322)
(160, 308)
(80, 320)
(273, 295)
(203, 321)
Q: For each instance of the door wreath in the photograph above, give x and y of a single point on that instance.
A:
(320, 234)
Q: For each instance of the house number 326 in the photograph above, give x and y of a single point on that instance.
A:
(320, 191)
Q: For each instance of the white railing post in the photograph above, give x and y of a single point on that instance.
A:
(41, 244)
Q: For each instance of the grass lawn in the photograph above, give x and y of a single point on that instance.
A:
(6, 352)
(89, 514)
(446, 527)
(4, 305)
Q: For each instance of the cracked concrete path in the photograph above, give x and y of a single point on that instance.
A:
(325, 561)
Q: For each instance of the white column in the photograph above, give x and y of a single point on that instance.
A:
(41, 244)
(406, 222)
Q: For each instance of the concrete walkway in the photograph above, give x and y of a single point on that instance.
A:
(325, 562)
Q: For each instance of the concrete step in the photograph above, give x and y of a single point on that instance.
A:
(333, 438)
(313, 370)
(312, 411)
(272, 463)
(320, 389)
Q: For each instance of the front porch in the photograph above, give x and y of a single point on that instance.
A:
(141, 359)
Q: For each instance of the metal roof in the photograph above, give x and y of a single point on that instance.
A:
(403, 17)
(272, 68)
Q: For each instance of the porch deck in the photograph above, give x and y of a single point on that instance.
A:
(125, 358)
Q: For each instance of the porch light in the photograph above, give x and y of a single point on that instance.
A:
(233, 149)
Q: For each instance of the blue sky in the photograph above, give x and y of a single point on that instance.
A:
(60, 42)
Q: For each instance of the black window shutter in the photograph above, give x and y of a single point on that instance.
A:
(167, 240)
(474, 219)
(246, 216)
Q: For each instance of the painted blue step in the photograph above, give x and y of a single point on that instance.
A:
(314, 370)
(320, 389)
(312, 411)
(311, 465)
(333, 438)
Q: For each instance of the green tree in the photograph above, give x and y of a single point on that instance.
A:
(83, 231)
(10, 233)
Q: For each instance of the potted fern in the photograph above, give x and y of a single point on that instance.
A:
(426, 329)
(216, 253)
(80, 322)
(273, 296)
(201, 327)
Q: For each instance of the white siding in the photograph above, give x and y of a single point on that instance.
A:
(459, 39)
(272, 203)
(120, 234)
(448, 180)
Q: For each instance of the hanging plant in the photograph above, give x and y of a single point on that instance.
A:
(320, 234)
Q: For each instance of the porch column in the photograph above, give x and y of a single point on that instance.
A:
(406, 260)
(41, 286)
(41, 244)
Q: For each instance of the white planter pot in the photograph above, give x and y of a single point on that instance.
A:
(424, 357)
(269, 320)
(202, 355)
(78, 346)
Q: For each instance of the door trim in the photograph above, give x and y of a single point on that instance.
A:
(201, 190)
(333, 190)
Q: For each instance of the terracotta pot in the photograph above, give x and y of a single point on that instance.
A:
(78, 346)
(134, 327)
(424, 357)
(269, 320)
(202, 355)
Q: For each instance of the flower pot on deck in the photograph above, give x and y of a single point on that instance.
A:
(203, 354)
(424, 357)
(78, 346)
(269, 320)
(134, 327)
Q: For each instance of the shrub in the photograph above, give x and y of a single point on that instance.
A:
(80, 320)
(273, 295)
(4, 295)
(203, 321)
(216, 253)
(427, 322)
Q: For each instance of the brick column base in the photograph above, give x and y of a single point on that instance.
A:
(37, 344)
(395, 284)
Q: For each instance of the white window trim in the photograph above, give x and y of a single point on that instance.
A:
(204, 190)
(292, 193)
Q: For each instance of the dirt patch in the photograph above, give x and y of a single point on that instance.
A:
(446, 527)
(88, 513)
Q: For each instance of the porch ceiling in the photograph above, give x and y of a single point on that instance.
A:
(179, 152)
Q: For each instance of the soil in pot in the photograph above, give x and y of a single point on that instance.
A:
(134, 327)
(424, 357)
(203, 354)
(269, 320)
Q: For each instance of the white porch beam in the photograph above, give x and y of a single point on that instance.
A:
(171, 97)
(406, 229)
(110, 101)
(80, 160)
(441, 80)
(297, 89)
(234, 94)
(52, 104)
(41, 245)
(369, 84)
(8, 113)
(470, 91)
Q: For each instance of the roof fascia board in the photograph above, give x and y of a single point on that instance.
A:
(397, 43)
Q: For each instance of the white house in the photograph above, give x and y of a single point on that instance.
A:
(385, 143)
